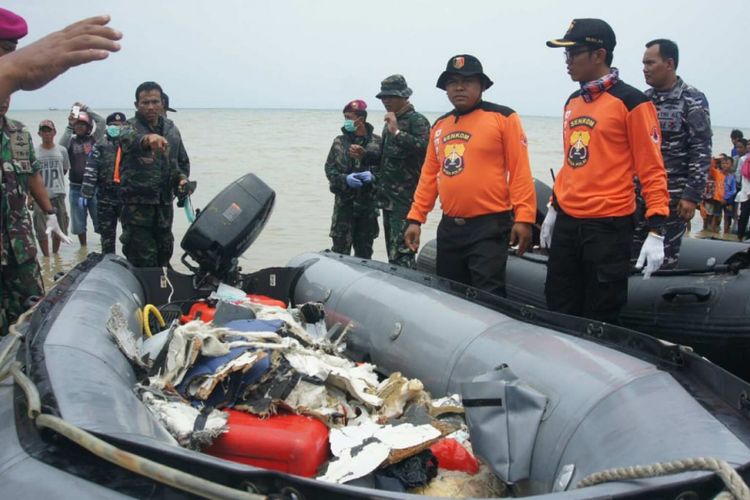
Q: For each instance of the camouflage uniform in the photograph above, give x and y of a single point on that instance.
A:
(686, 147)
(20, 277)
(148, 185)
(355, 215)
(397, 173)
(98, 179)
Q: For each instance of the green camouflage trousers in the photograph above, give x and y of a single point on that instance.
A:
(147, 239)
(394, 225)
(353, 225)
(18, 283)
(108, 214)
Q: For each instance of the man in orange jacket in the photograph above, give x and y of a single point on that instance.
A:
(610, 133)
(477, 162)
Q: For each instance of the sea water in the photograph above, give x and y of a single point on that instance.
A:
(287, 149)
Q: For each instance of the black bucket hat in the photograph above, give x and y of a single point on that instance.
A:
(466, 65)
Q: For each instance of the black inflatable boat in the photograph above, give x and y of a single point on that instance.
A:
(72, 426)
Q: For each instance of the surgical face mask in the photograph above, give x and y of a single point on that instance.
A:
(349, 125)
(113, 131)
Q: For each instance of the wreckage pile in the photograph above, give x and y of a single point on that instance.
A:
(254, 364)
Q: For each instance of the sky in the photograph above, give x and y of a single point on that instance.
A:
(319, 54)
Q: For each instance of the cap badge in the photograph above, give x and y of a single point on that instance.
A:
(458, 62)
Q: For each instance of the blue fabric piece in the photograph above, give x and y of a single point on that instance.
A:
(226, 392)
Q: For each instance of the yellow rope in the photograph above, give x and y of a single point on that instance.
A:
(148, 308)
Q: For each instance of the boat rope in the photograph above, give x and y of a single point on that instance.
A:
(124, 459)
(732, 480)
(142, 466)
(14, 337)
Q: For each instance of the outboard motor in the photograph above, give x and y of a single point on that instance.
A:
(226, 227)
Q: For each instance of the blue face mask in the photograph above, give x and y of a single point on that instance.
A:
(113, 131)
(349, 126)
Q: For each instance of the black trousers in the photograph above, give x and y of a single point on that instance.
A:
(589, 266)
(742, 222)
(474, 250)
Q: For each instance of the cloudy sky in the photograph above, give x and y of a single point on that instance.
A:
(319, 53)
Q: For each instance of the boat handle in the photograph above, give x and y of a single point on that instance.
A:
(699, 292)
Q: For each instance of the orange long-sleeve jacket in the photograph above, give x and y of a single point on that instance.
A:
(606, 143)
(477, 163)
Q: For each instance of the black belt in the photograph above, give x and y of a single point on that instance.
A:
(462, 221)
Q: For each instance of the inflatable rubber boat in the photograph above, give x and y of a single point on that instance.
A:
(704, 303)
(583, 399)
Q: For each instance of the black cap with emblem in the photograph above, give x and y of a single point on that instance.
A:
(466, 65)
(587, 32)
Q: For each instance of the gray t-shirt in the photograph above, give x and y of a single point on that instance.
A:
(53, 165)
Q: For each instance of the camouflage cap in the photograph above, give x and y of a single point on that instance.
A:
(394, 85)
(47, 124)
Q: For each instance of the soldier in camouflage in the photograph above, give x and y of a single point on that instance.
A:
(686, 144)
(102, 178)
(20, 276)
(353, 153)
(405, 138)
(150, 179)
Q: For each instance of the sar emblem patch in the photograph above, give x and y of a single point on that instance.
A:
(578, 150)
(458, 62)
(655, 135)
(453, 164)
(524, 141)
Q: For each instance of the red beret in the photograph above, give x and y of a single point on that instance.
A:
(12, 26)
(355, 105)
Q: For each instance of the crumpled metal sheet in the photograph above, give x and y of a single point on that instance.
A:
(179, 418)
(396, 391)
(361, 449)
(372, 423)
(129, 342)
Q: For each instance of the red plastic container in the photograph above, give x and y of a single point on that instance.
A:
(203, 311)
(452, 456)
(199, 310)
(266, 300)
(289, 443)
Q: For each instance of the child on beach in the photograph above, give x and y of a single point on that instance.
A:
(713, 196)
(730, 190)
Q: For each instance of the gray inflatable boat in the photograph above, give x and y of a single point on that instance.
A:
(608, 397)
(704, 303)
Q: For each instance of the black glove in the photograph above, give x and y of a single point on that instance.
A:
(184, 191)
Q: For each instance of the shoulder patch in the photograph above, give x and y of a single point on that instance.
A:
(631, 97)
(496, 108)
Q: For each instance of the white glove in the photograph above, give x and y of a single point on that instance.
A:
(54, 227)
(545, 235)
(652, 255)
